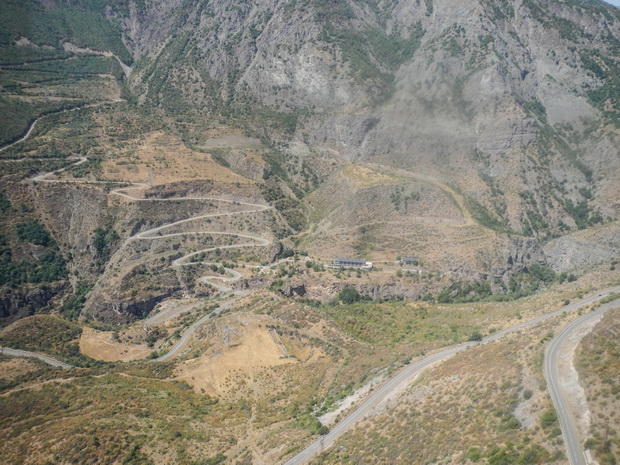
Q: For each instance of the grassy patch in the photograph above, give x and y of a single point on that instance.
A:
(116, 418)
(598, 363)
(45, 333)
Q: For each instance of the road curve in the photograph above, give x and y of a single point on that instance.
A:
(43, 358)
(156, 233)
(574, 449)
(187, 334)
(36, 120)
(408, 374)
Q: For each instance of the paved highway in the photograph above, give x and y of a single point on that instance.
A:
(408, 374)
(43, 358)
(572, 441)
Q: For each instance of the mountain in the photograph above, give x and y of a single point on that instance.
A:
(512, 102)
(178, 177)
(479, 136)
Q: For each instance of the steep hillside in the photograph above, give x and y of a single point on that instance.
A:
(514, 101)
(489, 128)
(177, 176)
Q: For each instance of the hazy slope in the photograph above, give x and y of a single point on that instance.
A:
(513, 101)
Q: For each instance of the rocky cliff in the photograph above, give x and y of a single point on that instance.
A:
(513, 101)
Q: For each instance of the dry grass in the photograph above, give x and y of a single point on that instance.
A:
(101, 346)
(363, 213)
(163, 158)
(113, 417)
(471, 405)
(598, 363)
(44, 333)
(266, 403)
(238, 361)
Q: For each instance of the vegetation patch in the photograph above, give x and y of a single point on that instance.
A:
(45, 333)
(49, 267)
(598, 363)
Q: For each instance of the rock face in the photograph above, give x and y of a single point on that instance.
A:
(504, 100)
(502, 117)
(15, 304)
(127, 310)
(581, 250)
(522, 253)
(73, 213)
(568, 254)
(294, 291)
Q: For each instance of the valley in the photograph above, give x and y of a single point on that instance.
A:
(182, 181)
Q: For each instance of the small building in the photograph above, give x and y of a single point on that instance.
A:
(408, 260)
(343, 263)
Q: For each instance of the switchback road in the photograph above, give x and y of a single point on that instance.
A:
(159, 232)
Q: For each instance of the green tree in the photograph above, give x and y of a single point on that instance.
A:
(349, 295)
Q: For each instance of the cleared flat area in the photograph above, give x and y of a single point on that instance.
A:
(100, 346)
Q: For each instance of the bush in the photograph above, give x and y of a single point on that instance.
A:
(349, 295)
(215, 460)
(104, 240)
(473, 454)
(34, 233)
(73, 306)
(312, 424)
(548, 419)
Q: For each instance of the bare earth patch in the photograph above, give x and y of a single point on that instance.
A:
(100, 346)
(235, 359)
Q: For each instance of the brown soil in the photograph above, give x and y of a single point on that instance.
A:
(163, 158)
(250, 350)
(100, 346)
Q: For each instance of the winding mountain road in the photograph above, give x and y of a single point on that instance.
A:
(159, 233)
(43, 358)
(568, 423)
(411, 371)
(28, 133)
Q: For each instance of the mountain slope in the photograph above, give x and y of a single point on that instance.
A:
(512, 101)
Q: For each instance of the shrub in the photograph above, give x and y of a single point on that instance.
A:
(548, 419)
(34, 233)
(349, 295)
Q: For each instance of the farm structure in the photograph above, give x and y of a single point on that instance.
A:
(351, 263)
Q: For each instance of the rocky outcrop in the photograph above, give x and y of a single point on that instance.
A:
(581, 251)
(470, 92)
(73, 212)
(294, 291)
(253, 283)
(521, 253)
(113, 312)
(19, 303)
